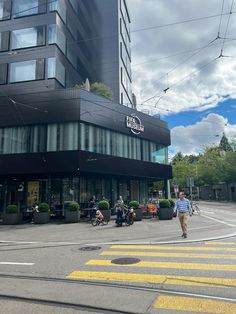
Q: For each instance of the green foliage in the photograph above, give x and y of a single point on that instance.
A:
(43, 207)
(104, 205)
(134, 204)
(99, 89)
(172, 202)
(164, 203)
(72, 206)
(224, 144)
(11, 209)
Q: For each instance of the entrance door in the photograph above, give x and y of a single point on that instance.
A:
(33, 193)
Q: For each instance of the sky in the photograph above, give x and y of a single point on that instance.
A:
(184, 68)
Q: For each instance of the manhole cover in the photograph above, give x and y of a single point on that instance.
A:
(90, 248)
(125, 261)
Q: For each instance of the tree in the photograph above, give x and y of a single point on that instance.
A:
(99, 89)
(224, 144)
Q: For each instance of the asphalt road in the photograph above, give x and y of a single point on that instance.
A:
(77, 268)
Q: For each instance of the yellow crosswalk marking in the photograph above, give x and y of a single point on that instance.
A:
(220, 243)
(174, 248)
(168, 254)
(154, 279)
(198, 305)
(214, 267)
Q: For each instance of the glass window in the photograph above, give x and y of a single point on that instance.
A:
(60, 7)
(56, 70)
(28, 7)
(56, 36)
(5, 9)
(28, 37)
(26, 71)
(4, 41)
(3, 73)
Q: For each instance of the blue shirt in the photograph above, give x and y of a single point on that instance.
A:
(183, 206)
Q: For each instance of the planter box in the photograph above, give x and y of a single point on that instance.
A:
(165, 213)
(139, 214)
(41, 218)
(71, 217)
(11, 219)
(107, 214)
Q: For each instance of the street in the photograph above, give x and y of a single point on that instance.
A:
(144, 268)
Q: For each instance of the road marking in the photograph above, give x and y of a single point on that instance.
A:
(153, 278)
(218, 220)
(14, 263)
(219, 243)
(172, 248)
(146, 264)
(167, 254)
(199, 305)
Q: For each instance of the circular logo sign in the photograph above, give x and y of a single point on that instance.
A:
(134, 124)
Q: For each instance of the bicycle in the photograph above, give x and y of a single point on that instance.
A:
(97, 222)
(196, 208)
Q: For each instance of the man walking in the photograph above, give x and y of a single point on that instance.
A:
(184, 209)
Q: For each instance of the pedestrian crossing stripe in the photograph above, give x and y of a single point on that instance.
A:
(219, 243)
(149, 264)
(153, 279)
(172, 248)
(168, 254)
(199, 305)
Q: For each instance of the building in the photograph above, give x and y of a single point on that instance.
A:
(70, 144)
(59, 143)
(47, 45)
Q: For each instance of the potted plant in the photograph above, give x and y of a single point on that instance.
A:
(41, 215)
(72, 213)
(165, 210)
(137, 209)
(104, 208)
(11, 215)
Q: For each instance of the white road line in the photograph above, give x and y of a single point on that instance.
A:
(14, 263)
(218, 220)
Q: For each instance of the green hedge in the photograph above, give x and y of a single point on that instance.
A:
(172, 202)
(134, 204)
(104, 205)
(164, 203)
(43, 207)
(11, 209)
(72, 206)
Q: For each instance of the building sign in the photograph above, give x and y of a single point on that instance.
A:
(134, 124)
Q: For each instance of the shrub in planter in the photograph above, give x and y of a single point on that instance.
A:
(137, 209)
(11, 209)
(42, 216)
(104, 208)
(11, 215)
(72, 213)
(172, 202)
(165, 210)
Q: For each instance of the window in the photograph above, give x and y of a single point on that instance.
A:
(4, 41)
(26, 71)
(28, 37)
(5, 9)
(59, 6)
(28, 7)
(56, 36)
(3, 73)
(56, 70)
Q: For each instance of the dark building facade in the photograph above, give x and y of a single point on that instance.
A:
(70, 144)
(46, 45)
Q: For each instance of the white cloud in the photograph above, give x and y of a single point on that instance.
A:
(198, 83)
(192, 139)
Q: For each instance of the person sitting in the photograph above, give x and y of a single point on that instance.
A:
(99, 215)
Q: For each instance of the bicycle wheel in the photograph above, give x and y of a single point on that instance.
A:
(105, 222)
(94, 222)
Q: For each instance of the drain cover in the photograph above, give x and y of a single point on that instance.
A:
(90, 248)
(125, 261)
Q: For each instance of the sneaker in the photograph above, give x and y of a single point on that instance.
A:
(185, 235)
